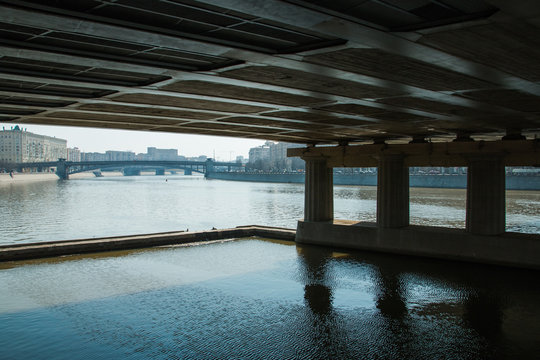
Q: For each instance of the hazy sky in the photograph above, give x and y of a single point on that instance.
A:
(100, 140)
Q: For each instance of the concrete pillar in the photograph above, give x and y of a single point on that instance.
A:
(392, 192)
(62, 170)
(319, 191)
(486, 195)
(130, 171)
(208, 167)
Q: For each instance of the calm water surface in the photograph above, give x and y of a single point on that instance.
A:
(256, 299)
(96, 207)
(249, 298)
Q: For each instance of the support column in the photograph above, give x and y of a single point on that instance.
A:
(62, 169)
(392, 192)
(208, 167)
(486, 202)
(319, 191)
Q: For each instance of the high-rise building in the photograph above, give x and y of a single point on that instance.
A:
(18, 146)
(74, 154)
(261, 153)
(272, 155)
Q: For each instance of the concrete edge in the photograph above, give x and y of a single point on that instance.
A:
(83, 246)
(508, 249)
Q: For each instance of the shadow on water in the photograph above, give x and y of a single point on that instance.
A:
(328, 337)
(260, 299)
(423, 309)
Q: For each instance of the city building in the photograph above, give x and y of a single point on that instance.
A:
(112, 155)
(18, 145)
(273, 156)
(93, 156)
(74, 154)
(240, 159)
(278, 156)
(162, 154)
(198, 158)
(260, 153)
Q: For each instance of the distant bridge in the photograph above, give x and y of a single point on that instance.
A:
(65, 168)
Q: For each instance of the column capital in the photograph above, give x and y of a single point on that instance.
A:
(390, 157)
(494, 156)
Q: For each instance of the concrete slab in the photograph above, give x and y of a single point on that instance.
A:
(508, 249)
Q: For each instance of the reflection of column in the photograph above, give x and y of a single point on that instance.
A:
(317, 293)
(486, 195)
(390, 295)
(319, 192)
(327, 334)
(319, 298)
(484, 312)
(392, 192)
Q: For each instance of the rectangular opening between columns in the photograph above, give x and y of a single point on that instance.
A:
(355, 194)
(438, 196)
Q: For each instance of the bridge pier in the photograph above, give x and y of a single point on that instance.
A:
(188, 172)
(132, 172)
(319, 190)
(392, 192)
(62, 170)
(483, 240)
(208, 168)
(486, 205)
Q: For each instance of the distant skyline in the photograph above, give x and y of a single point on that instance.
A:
(101, 140)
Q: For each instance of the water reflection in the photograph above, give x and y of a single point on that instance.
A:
(328, 335)
(483, 312)
(259, 299)
(390, 293)
(422, 309)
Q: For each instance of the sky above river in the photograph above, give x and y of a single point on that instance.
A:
(100, 140)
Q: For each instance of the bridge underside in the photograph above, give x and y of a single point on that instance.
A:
(298, 71)
(400, 79)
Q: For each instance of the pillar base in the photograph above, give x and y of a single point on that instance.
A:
(508, 249)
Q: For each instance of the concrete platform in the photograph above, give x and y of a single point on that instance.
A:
(70, 247)
(509, 249)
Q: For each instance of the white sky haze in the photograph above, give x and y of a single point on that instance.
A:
(100, 140)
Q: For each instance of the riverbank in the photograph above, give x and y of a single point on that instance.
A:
(421, 181)
(25, 177)
(20, 178)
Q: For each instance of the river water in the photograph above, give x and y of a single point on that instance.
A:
(109, 206)
(249, 298)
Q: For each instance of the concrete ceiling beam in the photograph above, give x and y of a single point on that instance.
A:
(514, 152)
